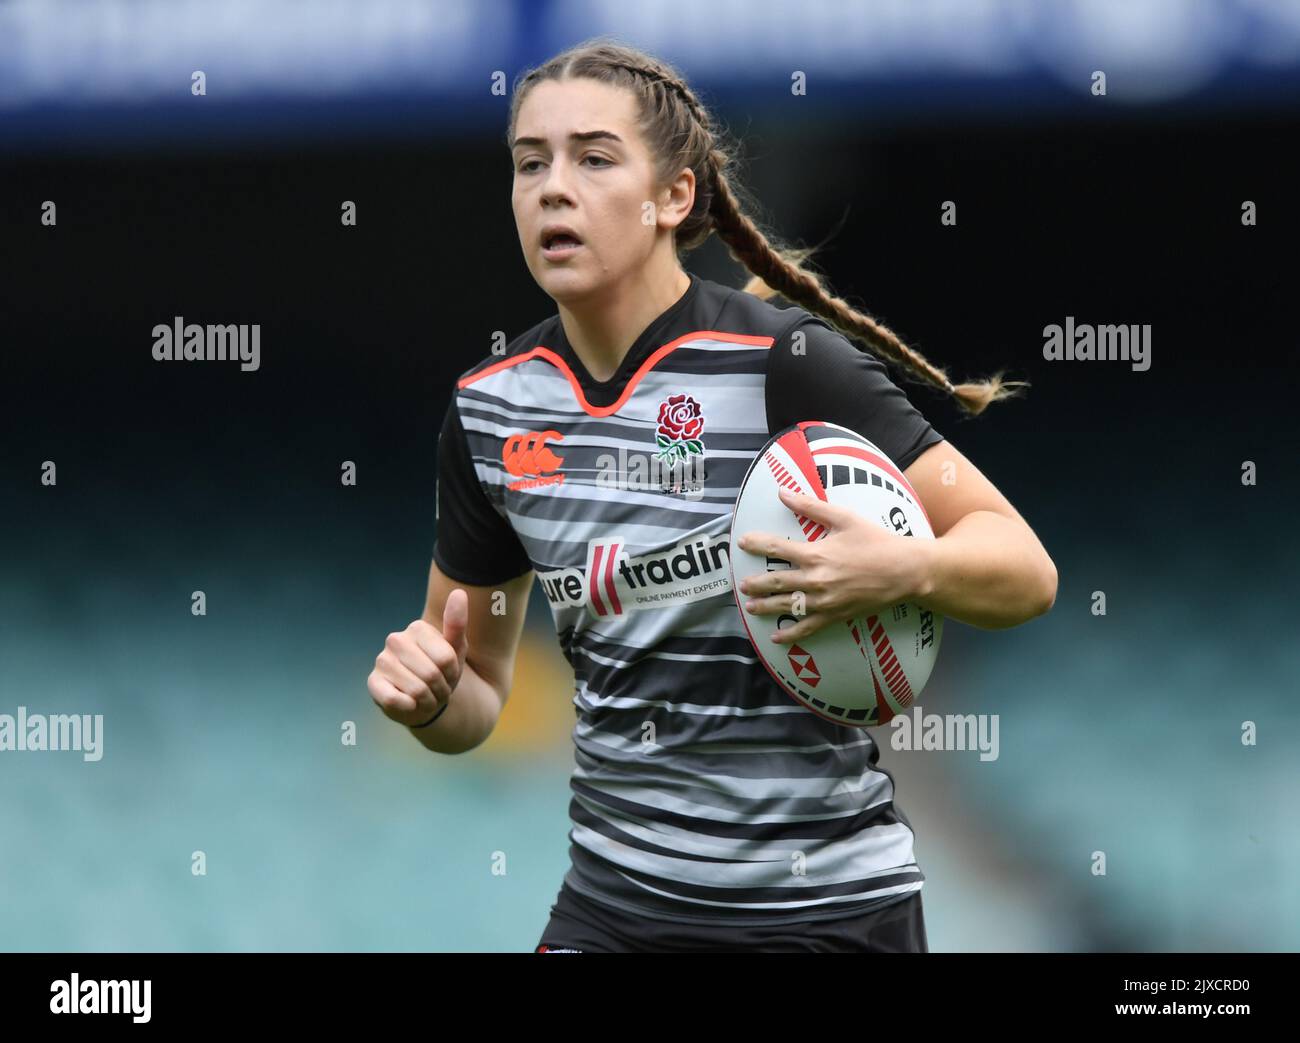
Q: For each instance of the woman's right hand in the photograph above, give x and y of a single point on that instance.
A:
(419, 667)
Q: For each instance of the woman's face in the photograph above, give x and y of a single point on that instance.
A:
(600, 186)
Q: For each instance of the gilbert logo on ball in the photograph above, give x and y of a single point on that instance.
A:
(861, 671)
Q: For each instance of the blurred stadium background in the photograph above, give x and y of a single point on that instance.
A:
(1119, 734)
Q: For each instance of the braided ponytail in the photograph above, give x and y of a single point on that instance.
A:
(681, 132)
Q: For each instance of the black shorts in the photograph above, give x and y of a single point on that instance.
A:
(579, 924)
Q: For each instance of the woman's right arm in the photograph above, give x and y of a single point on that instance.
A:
(460, 649)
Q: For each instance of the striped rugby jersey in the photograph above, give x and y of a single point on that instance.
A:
(701, 792)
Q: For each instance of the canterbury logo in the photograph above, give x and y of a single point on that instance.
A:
(526, 456)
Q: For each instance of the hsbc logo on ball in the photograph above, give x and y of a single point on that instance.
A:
(803, 665)
(615, 582)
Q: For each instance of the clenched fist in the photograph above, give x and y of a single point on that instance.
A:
(419, 668)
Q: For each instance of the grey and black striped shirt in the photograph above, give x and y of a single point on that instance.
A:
(701, 792)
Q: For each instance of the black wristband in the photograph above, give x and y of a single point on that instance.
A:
(434, 717)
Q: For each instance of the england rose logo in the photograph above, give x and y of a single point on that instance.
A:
(680, 426)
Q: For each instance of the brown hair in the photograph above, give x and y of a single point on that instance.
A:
(682, 133)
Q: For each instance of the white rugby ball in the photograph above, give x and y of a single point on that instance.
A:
(860, 671)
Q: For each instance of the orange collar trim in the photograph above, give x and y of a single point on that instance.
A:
(645, 367)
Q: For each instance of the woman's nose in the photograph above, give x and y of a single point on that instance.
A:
(557, 184)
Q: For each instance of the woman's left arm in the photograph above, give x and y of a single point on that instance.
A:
(985, 567)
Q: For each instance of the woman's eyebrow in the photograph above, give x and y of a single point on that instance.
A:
(586, 135)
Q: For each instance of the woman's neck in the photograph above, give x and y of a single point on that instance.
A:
(601, 331)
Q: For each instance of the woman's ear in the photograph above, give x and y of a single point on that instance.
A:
(677, 200)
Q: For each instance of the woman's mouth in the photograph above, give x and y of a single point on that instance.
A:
(560, 246)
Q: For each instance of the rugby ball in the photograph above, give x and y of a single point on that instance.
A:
(861, 671)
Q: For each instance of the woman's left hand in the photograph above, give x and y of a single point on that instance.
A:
(857, 569)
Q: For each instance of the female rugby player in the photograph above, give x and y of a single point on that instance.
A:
(709, 810)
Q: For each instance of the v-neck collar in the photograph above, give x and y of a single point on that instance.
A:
(604, 392)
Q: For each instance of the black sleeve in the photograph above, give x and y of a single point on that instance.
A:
(838, 382)
(475, 544)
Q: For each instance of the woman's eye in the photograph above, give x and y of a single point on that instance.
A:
(529, 165)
